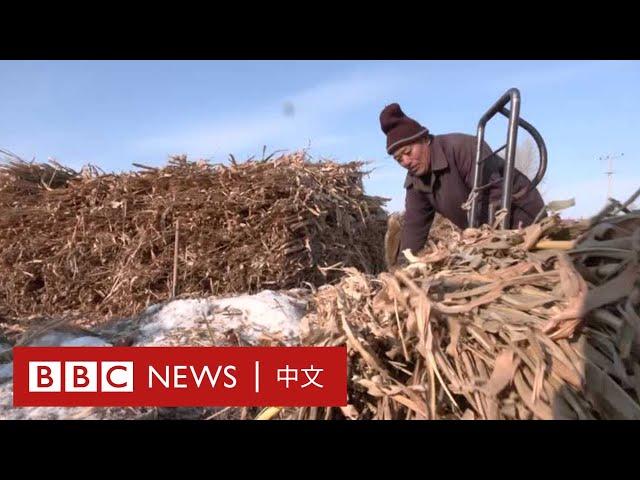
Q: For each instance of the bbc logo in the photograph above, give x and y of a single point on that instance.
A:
(81, 376)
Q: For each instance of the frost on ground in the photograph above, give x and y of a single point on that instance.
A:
(266, 318)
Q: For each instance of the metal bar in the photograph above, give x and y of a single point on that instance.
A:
(512, 136)
(477, 174)
(513, 114)
(478, 166)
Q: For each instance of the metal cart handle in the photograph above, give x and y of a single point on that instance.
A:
(513, 114)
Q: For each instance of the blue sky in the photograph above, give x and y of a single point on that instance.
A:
(114, 113)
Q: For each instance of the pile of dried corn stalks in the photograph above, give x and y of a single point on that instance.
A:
(487, 326)
(23, 178)
(107, 243)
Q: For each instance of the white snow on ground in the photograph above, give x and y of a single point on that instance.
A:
(266, 312)
(50, 339)
(6, 372)
(6, 369)
(65, 339)
(251, 317)
(160, 320)
(7, 412)
(254, 319)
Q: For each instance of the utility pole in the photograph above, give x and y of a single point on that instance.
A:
(609, 173)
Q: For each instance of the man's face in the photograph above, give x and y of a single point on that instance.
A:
(414, 157)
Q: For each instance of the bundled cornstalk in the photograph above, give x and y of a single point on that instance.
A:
(488, 326)
(107, 243)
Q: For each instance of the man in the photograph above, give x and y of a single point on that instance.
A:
(440, 178)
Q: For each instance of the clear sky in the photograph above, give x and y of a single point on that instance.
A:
(114, 113)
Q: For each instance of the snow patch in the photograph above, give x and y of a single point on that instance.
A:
(254, 318)
(66, 339)
(6, 372)
(263, 318)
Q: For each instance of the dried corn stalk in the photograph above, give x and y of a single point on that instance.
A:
(485, 327)
(104, 243)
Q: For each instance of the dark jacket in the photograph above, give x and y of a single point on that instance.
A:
(448, 184)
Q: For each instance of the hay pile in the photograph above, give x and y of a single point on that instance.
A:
(487, 326)
(104, 243)
(18, 177)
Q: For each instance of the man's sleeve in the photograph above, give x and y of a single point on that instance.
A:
(418, 217)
